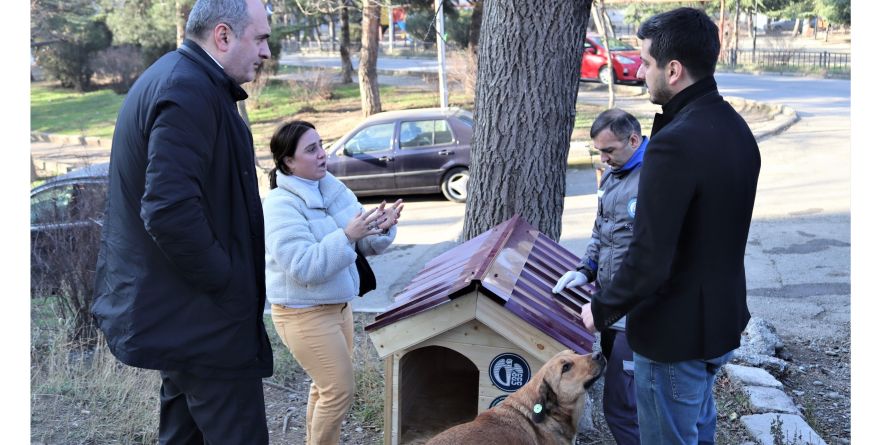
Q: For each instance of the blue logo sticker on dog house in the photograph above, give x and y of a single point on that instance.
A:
(509, 372)
(496, 401)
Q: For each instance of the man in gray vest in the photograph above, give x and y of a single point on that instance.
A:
(616, 135)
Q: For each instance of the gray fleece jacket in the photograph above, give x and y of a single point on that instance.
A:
(308, 258)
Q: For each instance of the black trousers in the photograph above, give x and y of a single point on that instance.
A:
(198, 411)
(619, 396)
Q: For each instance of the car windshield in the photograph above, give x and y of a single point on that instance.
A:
(615, 44)
(69, 202)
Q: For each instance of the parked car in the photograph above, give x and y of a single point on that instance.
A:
(411, 151)
(66, 211)
(777, 26)
(625, 61)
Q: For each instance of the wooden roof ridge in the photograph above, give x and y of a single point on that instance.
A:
(449, 275)
(514, 265)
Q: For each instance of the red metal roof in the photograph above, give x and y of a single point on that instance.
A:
(513, 264)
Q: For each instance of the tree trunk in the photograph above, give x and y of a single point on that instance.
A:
(721, 26)
(735, 35)
(34, 175)
(182, 10)
(315, 30)
(607, 21)
(474, 46)
(597, 12)
(524, 113)
(332, 36)
(754, 33)
(750, 22)
(369, 95)
(347, 70)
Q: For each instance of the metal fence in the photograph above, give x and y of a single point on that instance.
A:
(790, 60)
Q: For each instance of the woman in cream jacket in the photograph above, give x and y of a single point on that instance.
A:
(313, 223)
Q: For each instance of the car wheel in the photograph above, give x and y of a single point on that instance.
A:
(455, 184)
(605, 75)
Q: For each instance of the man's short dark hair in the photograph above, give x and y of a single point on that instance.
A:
(621, 123)
(684, 34)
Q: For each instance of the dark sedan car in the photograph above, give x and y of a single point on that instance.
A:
(411, 151)
(66, 217)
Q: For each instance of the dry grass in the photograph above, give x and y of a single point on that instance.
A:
(87, 396)
(369, 402)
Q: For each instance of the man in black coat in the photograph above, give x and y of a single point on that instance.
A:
(682, 282)
(180, 277)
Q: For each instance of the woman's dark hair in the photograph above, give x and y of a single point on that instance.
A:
(283, 144)
(684, 34)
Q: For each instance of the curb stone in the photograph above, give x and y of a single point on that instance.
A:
(751, 376)
(792, 427)
(781, 116)
(68, 139)
(771, 403)
(765, 399)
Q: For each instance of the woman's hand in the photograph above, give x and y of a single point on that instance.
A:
(390, 215)
(363, 225)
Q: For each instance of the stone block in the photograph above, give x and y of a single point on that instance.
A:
(763, 400)
(751, 376)
(794, 429)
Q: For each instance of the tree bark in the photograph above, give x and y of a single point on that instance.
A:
(369, 96)
(524, 113)
(347, 70)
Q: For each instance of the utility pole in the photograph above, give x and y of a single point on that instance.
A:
(441, 55)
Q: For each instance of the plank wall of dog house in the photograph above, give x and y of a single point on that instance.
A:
(447, 378)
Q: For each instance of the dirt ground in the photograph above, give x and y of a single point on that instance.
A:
(818, 381)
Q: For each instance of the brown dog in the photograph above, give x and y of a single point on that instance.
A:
(545, 411)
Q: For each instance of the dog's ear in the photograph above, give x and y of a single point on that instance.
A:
(546, 399)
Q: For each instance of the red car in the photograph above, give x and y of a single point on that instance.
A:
(625, 61)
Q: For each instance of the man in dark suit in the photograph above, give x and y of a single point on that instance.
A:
(682, 282)
(180, 280)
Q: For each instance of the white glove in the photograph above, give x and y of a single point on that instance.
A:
(570, 279)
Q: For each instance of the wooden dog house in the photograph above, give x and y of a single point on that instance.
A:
(473, 326)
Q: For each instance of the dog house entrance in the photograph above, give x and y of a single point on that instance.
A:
(438, 389)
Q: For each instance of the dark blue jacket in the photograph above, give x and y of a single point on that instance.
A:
(180, 275)
(682, 281)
